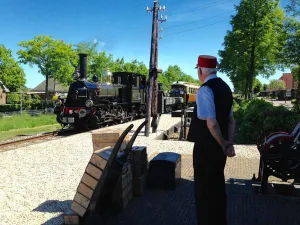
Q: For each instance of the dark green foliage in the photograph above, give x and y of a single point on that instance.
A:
(9, 108)
(251, 121)
(11, 73)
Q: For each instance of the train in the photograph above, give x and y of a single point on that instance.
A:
(186, 90)
(119, 98)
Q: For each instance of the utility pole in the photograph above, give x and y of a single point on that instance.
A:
(153, 70)
(155, 119)
(20, 100)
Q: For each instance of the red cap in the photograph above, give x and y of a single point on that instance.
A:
(207, 61)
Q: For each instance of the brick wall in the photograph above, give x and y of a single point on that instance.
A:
(288, 80)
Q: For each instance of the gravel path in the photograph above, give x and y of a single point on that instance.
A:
(38, 182)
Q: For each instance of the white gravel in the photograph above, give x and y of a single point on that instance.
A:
(38, 182)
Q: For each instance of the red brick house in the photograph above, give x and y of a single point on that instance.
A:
(3, 91)
(289, 81)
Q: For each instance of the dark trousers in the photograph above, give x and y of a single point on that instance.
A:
(210, 192)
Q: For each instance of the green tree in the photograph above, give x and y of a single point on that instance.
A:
(173, 74)
(295, 72)
(136, 67)
(276, 85)
(90, 48)
(291, 52)
(265, 87)
(293, 7)
(253, 45)
(169, 76)
(54, 58)
(257, 86)
(101, 62)
(11, 74)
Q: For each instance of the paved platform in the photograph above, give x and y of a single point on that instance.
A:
(246, 205)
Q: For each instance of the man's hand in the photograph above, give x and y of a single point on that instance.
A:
(228, 148)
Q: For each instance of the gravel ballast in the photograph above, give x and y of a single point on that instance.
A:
(38, 182)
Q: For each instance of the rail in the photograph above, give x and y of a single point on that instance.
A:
(49, 135)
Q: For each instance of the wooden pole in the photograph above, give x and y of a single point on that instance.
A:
(154, 123)
(151, 67)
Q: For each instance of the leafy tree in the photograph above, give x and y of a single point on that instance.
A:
(291, 53)
(294, 7)
(172, 74)
(101, 61)
(276, 85)
(257, 86)
(253, 45)
(265, 87)
(136, 67)
(11, 74)
(54, 58)
(295, 72)
(90, 48)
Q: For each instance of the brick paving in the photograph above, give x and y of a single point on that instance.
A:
(246, 206)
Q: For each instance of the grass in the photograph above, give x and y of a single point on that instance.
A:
(26, 121)
(5, 135)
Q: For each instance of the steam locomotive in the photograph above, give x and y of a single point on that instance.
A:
(120, 98)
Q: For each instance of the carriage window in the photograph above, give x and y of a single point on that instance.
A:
(119, 80)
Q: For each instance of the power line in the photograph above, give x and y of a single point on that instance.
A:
(198, 20)
(196, 28)
(201, 7)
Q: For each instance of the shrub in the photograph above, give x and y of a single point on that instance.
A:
(14, 98)
(251, 121)
(294, 101)
(9, 108)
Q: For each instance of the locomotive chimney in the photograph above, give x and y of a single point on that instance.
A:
(83, 65)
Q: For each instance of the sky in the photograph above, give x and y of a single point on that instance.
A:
(123, 28)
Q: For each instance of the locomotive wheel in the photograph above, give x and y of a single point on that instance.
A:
(58, 119)
(92, 122)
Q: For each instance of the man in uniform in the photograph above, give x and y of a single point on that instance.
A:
(212, 129)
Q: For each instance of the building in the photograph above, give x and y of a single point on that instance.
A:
(53, 87)
(287, 78)
(3, 91)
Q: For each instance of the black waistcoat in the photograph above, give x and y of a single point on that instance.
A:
(198, 131)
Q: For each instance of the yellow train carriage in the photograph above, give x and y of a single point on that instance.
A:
(184, 89)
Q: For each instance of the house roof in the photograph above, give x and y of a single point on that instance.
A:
(4, 87)
(41, 87)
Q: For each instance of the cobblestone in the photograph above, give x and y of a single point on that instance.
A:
(245, 205)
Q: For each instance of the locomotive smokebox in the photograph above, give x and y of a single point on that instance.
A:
(83, 65)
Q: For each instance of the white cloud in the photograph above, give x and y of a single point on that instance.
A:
(101, 43)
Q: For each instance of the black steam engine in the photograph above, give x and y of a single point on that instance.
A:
(121, 97)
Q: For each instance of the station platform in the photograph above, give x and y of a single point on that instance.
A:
(41, 181)
(246, 206)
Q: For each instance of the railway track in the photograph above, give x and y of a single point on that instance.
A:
(6, 146)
